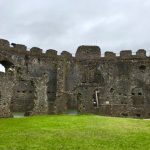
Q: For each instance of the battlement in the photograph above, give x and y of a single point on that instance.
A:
(88, 52)
(110, 55)
(36, 50)
(4, 43)
(126, 54)
(51, 52)
(66, 54)
(22, 49)
(83, 52)
(141, 53)
(19, 47)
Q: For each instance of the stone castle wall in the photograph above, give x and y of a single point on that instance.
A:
(47, 83)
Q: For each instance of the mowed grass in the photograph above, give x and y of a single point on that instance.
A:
(81, 132)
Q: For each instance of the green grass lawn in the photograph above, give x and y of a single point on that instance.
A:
(81, 132)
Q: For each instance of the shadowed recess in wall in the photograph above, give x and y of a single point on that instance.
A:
(2, 68)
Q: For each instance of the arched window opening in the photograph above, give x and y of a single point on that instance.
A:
(2, 68)
(5, 66)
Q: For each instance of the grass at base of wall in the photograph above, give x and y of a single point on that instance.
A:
(81, 132)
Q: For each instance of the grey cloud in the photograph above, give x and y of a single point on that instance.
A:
(66, 24)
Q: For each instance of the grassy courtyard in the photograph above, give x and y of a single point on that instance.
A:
(81, 132)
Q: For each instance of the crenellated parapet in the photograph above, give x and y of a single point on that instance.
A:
(20, 49)
(83, 52)
(94, 53)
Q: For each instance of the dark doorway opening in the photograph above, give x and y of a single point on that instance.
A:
(138, 115)
(72, 107)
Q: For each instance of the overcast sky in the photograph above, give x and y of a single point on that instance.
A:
(65, 24)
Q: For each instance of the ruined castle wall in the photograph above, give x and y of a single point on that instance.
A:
(25, 65)
(50, 83)
(121, 85)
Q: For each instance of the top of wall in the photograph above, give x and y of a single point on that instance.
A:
(22, 49)
(88, 52)
(83, 52)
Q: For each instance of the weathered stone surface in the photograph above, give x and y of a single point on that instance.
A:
(88, 52)
(47, 83)
(6, 93)
(126, 54)
(19, 47)
(4, 43)
(36, 50)
(110, 55)
(141, 53)
(66, 54)
(40, 100)
(51, 52)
